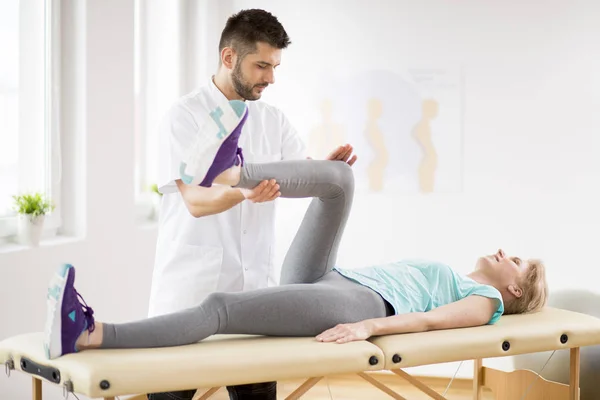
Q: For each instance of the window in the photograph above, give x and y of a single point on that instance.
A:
(9, 98)
(171, 59)
(157, 86)
(29, 146)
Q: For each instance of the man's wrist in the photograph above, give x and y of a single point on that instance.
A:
(234, 195)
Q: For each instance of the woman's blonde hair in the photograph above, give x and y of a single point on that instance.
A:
(534, 287)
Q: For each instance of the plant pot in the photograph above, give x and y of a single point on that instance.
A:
(29, 229)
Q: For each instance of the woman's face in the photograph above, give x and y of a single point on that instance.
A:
(501, 269)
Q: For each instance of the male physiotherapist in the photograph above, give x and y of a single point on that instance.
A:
(220, 238)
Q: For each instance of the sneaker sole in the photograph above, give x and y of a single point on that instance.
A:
(202, 154)
(56, 291)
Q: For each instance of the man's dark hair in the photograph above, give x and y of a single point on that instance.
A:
(244, 29)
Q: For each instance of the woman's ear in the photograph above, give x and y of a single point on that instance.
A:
(515, 290)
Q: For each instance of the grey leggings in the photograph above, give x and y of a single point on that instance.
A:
(311, 298)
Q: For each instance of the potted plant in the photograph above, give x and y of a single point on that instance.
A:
(32, 209)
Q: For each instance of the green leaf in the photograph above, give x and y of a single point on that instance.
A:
(33, 204)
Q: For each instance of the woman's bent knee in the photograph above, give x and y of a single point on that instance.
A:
(342, 175)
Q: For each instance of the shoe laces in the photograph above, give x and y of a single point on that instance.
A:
(88, 312)
(240, 157)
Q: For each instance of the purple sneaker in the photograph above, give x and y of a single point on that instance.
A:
(67, 318)
(229, 154)
(216, 148)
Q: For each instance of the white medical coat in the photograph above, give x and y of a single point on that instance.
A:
(226, 252)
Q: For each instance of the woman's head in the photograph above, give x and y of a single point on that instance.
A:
(522, 283)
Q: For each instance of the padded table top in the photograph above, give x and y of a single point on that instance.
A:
(511, 335)
(237, 359)
(216, 361)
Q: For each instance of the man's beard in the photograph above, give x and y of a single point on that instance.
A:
(241, 87)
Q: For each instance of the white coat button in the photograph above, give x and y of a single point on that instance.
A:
(245, 231)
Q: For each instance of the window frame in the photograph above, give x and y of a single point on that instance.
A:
(146, 66)
(51, 125)
(144, 211)
(198, 36)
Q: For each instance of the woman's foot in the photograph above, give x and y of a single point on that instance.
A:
(216, 148)
(68, 317)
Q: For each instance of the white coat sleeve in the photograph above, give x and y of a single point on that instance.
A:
(292, 145)
(177, 132)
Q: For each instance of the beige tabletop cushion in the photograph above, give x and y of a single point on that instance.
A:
(511, 335)
(217, 361)
(238, 359)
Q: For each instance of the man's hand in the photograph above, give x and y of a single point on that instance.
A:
(343, 153)
(344, 333)
(263, 192)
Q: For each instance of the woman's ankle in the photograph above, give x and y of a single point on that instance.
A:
(230, 177)
(90, 340)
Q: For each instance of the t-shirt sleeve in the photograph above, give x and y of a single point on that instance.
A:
(492, 293)
(292, 145)
(177, 131)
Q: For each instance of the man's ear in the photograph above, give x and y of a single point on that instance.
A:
(228, 57)
(515, 290)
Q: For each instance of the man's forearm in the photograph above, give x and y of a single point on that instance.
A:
(203, 201)
(220, 201)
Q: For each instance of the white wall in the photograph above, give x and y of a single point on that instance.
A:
(531, 125)
(531, 181)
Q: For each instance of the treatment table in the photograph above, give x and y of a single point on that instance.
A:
(224, 360)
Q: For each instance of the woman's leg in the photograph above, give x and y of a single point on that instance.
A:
(311, 255)
(313, 251)
(289, 310)
(296, 308)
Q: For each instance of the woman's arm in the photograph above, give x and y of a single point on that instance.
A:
(470, 311)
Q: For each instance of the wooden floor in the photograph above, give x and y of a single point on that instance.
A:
(353, 387)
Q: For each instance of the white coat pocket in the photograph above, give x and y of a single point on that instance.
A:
(185, 275)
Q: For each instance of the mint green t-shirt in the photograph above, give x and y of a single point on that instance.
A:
(421, 285)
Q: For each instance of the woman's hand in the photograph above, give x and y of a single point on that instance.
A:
(344, 333)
